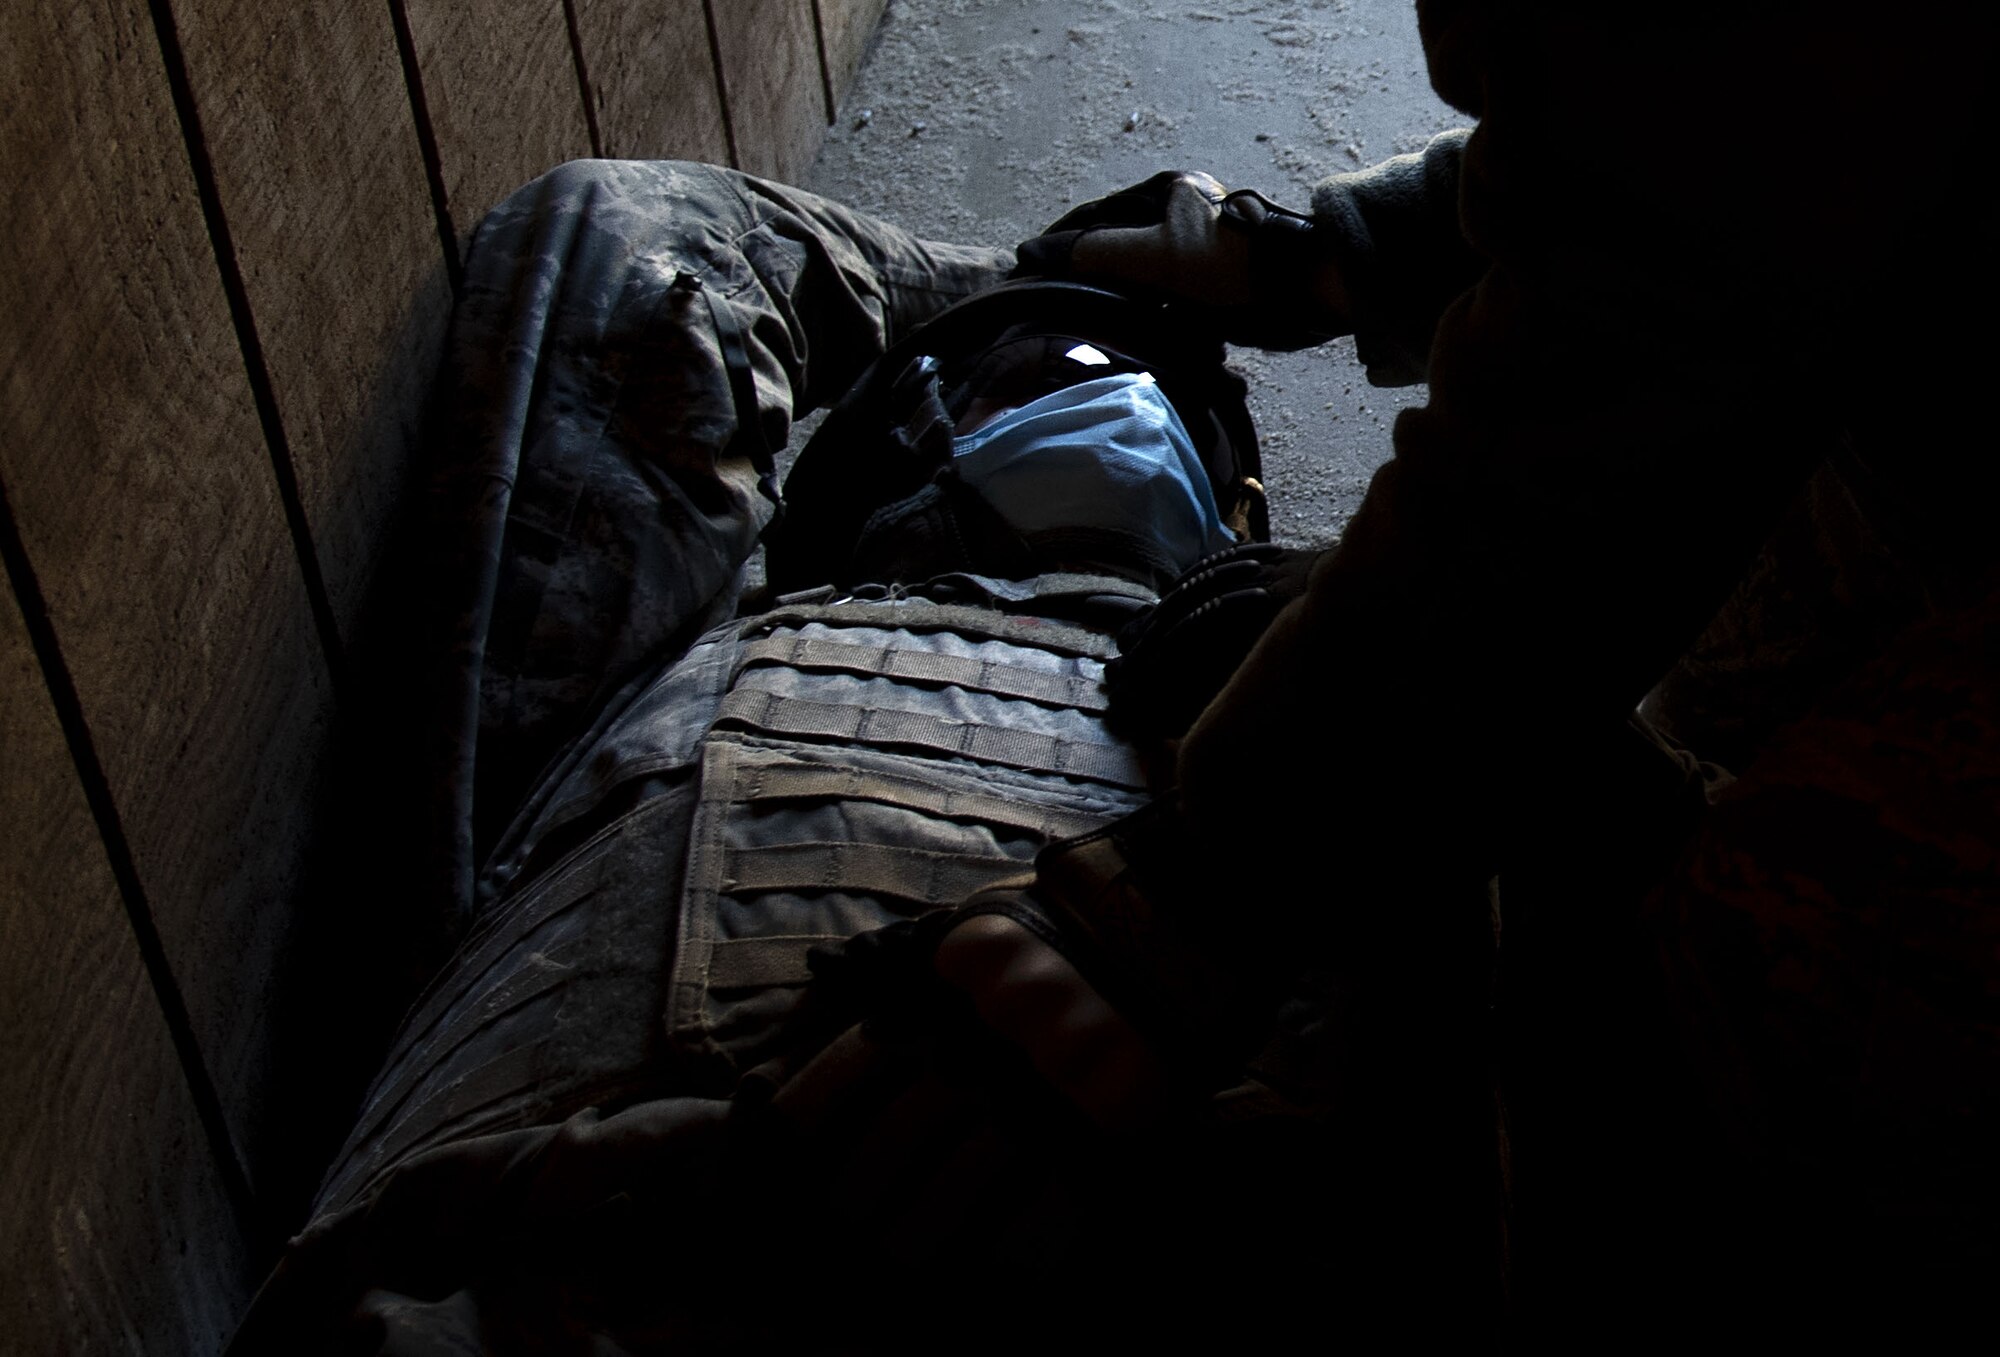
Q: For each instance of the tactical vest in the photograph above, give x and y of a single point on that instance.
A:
(798, 777)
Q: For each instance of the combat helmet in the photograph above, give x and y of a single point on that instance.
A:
(872, 496)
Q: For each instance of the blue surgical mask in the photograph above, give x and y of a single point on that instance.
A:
(1109, 454)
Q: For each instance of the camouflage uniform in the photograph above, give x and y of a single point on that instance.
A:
(1635, 387)
(595, 485)
(619, 1118)
(657, 810)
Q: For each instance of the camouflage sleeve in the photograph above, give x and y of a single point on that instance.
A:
(593, 503)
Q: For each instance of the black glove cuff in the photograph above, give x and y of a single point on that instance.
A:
(1286, 248)
(1048, 255)
(1176, 656)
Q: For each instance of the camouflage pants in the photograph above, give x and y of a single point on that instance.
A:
(595, 501)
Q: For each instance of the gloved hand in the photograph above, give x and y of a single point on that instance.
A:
(1181, 236)
(1176, 656)
(939, 1136)
(1108, 967)
(1123, 966)
(947, 1098)
(907, 987)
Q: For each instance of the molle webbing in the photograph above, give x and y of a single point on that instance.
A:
(795, 781)
(915, 876)
(918, 616)
(772, 714)
(869, 761)
(758, 963)
(1075, 691)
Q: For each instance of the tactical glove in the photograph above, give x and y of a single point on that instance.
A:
(1176, 656)
(1109, 967)
(1153, 926)
(939, 1142)
(1260, 271)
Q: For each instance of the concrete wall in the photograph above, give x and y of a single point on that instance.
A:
(233, 233)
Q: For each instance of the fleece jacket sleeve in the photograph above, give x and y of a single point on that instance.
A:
(1393, 231)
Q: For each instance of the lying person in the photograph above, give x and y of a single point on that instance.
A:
(660, 1097)
(684, 1000)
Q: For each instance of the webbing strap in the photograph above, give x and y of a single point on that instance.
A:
(754, 963)
(921, 615)
(1072, 691)
(800, 781)
(1050, 586)
(750, 440)
(776, 715)
(920, 876)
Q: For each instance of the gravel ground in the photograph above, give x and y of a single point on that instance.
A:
(982, 120)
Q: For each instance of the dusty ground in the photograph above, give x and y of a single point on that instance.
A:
(982, 120)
